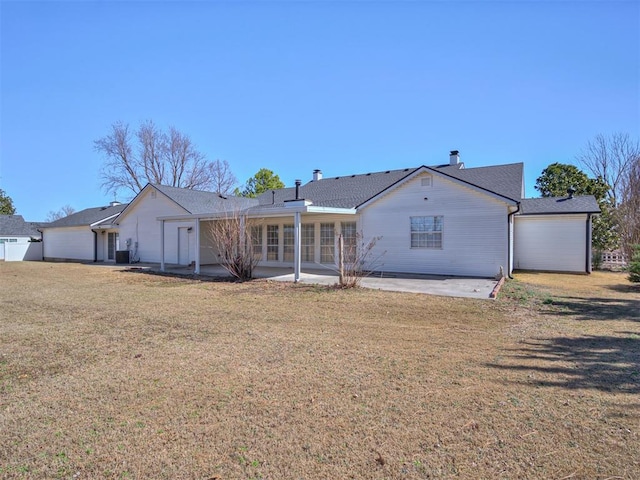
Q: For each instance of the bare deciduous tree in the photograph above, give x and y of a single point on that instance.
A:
(65, 211)
(152, 156)
(355, 260)
(628, 211)
(616, 160)
(223, 179)
(231, 236)
(610, 158)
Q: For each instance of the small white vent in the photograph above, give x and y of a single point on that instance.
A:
(153, 194)
(426, 181)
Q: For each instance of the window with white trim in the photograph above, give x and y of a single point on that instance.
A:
(349, 239)
(426, 232)
(256, 240)
(308, 242)
(272, 242)
(288, 242)
(327, 242)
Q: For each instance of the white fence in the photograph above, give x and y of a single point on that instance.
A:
(613, 260)
(17, 252)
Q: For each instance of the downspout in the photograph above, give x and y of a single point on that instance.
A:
(587, 247)
(509, 253)
(41, 240)
(95, 245)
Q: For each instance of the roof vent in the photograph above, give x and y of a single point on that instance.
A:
(571, 191)
(454, 157)
(298, 183)
(317, 175)
(115, 203)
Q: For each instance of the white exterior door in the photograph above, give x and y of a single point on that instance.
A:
(183, 246)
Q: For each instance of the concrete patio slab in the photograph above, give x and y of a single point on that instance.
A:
(397, 282)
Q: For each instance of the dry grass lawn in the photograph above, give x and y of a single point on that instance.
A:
(107, 373)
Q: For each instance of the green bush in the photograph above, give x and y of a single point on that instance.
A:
(634, 265)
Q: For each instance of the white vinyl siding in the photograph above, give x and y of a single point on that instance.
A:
(69, 243)
(475, 240)
(551, 242)
(141, 225)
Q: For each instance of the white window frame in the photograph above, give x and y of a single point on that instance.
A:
(427, 232)
(273, 253)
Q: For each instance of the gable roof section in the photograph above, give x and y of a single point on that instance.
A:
(198, 201)
(88, 216)
(559, 205)
(14, 225)
(353, 191)
(505, 180)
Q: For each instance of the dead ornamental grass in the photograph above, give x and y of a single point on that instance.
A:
(112, 374)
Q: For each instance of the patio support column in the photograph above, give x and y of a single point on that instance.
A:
(297, 247)
(162, 245)
(197, 232)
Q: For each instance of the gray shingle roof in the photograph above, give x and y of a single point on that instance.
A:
(554, 205)
(88, 216)
(351, 191)
(505, 180)
(198, 201)
(339, 192)
(14, 225)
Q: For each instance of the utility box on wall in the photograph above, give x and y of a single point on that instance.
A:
(122, 256)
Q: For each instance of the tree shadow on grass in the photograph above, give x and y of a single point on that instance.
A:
(605, 363)
(625, 287)
(595, 308)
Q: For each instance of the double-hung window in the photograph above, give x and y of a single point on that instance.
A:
(426, 232)
(288, 244)
(350, 240)
(272, 242)
(327, 242)
(256, 241)
(308, 242)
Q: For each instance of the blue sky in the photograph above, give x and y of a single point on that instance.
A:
(343, 86)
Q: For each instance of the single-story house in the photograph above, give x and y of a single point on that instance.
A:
(444, 219)
(19, 240)
(176, 243)
(87, 235)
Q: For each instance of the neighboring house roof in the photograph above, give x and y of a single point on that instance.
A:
(198, 201)
(88, 216)
(351, 191)
(14, 225)
(557, 205)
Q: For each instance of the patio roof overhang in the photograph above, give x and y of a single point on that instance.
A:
(262, 213)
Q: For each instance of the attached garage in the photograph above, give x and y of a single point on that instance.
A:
(552, 234)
